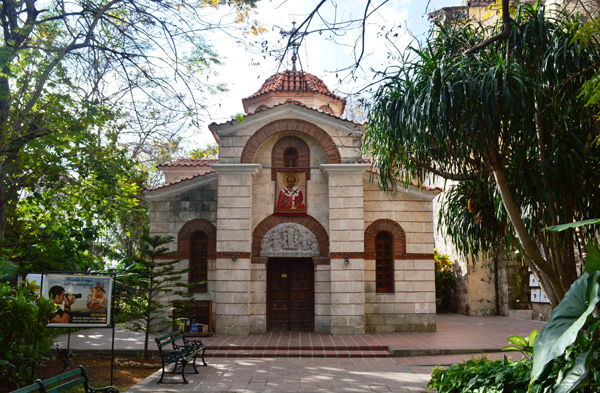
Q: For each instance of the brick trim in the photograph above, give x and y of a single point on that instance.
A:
(279, 148)
(417, 256)
(394, 229)
(350, 255)
(183, 237)
(304, 127)
(238, 255)
(307, 221)
(321, 261)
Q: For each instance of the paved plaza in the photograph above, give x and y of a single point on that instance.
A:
(310, 362)
(297, 375)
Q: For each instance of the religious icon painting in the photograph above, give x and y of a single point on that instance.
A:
(290, 193)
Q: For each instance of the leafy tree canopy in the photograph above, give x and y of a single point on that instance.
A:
(76, 79)
(211, 151)
(506, 124)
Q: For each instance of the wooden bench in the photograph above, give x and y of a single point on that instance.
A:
(181, 355)
(65, 381)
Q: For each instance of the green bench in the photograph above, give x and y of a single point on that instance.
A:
(65, 381)
(181, 355)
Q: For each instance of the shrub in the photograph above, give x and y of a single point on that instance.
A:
(24, 338)
(445, 280)
(482, 375)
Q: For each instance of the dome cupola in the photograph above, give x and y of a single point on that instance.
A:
(297, 86)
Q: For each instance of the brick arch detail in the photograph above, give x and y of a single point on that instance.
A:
(394, 229)
(304, 127)
(186, 231)
(281, 146)
(307, 221)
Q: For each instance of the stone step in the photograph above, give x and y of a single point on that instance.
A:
(233, 347)
(298, 353)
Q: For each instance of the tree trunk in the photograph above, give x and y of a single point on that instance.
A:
(527, 243)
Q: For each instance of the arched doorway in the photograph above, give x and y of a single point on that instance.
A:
(290, 294)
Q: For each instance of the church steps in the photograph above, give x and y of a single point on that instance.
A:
(299, 353)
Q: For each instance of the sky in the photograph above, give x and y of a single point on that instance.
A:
(244, 72)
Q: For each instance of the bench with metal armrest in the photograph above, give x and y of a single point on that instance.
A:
(65, 381)
(181, 355)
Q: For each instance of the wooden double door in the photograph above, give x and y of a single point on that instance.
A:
(290, 294)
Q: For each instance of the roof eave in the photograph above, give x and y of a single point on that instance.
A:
(413, 190)
(293, 110)
(178, 188)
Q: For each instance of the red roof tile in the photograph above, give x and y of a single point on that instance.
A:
(294, 81)
(189, 162)
(375, 170)
(178, 181)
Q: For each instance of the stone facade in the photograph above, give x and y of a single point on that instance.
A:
(253, 254)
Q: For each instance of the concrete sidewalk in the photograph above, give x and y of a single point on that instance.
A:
(242, 364)
(296, 375)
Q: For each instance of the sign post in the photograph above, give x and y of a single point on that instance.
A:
(81, 300)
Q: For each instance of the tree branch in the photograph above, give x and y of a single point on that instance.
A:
(446, 175)
(503, 35)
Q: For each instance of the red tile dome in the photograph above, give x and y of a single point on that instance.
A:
(294, 82)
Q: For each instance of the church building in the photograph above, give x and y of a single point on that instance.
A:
(289, 229)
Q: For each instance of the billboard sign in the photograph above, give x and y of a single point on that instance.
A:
(80, 300)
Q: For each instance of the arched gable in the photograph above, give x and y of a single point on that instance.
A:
(265, 132)
(307, 221)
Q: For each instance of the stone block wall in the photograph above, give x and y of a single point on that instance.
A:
(234, 236)
(322, 298)
(346, 220)
(411, 307)
(170, 215)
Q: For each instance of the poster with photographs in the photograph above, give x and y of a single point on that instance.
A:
(290, 193)
(80, 300)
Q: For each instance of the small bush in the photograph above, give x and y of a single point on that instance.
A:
(482, 375)
(445, 280)
(24, 338)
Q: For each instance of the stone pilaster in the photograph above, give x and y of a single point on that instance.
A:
(234, 242)
(346, 234)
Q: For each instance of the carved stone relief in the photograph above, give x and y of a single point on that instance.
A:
(289, 240)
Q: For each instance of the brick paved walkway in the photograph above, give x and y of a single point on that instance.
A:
(455, 334)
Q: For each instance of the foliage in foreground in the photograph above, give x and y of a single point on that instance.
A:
(482, 375)
(24, 338)
(566, 353)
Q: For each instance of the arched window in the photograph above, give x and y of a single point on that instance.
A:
(290, 158)
(384, 263)
(290, 152)
(198, 260)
